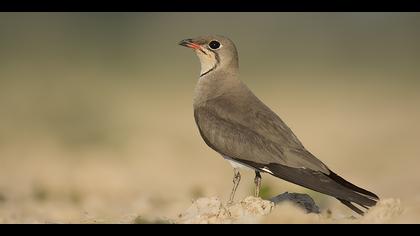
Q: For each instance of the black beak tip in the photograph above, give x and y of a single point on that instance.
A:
(185, 42)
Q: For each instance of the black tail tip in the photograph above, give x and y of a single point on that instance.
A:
(355, 208)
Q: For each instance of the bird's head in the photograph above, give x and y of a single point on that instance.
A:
(215, 52)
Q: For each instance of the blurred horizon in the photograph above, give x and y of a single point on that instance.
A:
(96, 108)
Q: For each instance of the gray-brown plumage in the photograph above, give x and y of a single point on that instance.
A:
(236, 124)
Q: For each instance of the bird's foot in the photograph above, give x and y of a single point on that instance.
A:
(236, 180)
(257, 182)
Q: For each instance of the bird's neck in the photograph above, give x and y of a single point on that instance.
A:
(215, 84)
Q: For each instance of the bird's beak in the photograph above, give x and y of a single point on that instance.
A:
(189, 44)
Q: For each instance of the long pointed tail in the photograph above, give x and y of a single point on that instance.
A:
(330, 184)
(366, 203)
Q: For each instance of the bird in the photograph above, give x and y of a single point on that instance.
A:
(235, 123)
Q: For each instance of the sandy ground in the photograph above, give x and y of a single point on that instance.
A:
(252, 210)
(141, 159)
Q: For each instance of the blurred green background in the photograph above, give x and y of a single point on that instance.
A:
(96, 108)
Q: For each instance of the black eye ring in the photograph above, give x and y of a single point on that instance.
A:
(214, 44)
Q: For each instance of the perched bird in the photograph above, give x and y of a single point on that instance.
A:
(239, 126)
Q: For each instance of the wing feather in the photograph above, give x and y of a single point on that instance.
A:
(240, 129)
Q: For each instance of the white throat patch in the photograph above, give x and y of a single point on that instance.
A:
(208, 61)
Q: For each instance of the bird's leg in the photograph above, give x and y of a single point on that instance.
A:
(257, 182)
(236, 180)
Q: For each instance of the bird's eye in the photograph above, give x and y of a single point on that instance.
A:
(214, 44)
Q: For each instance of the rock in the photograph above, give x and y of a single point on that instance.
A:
(212, 210)
(250, 209)
(301, 200)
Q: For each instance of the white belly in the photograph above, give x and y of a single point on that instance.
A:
(236, 164)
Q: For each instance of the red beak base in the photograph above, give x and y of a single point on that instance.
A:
(189, 44)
